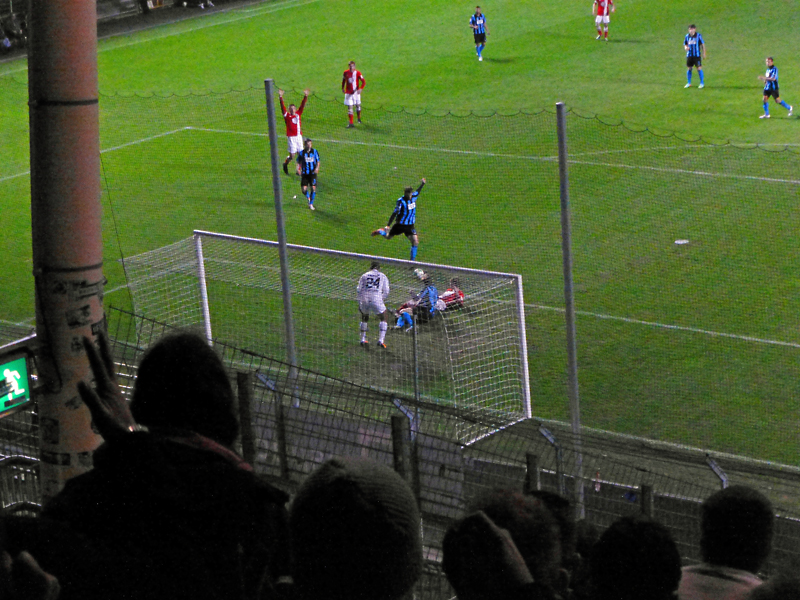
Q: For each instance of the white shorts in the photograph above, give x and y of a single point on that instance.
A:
(352, 99)
(374, 306)
(295, 144)
(602, 19)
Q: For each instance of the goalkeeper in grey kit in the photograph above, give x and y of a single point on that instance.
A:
(373, 289)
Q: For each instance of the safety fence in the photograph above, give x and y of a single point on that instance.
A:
(294, 419)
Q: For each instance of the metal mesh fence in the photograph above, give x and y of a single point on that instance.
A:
(301, 418)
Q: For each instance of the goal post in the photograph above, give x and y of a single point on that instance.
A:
(472, 355)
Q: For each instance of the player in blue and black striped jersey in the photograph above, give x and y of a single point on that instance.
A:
(404, 217)
(477, 23)
(307, 168)
(771, 88)
(695, 47)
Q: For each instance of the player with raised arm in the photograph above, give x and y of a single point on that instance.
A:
(477, 23)
(373, 289)
(405, 219)
(695, 46)
(602, 9)
(307, 168)
(352, 84)
(771, 88)
(293, 132)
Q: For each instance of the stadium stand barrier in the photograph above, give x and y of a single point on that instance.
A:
(19, 446)
(334, 417)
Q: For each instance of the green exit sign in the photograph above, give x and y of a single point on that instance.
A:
(15, 383)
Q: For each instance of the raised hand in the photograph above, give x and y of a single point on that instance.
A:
(110, 411)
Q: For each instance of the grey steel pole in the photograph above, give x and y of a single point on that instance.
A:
(277, 190)
(569, 300)
(66, 226)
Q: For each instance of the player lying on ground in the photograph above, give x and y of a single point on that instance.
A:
(405, 218)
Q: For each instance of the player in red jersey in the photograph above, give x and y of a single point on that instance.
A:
(293, 132)
(602, 10)
(352, 84)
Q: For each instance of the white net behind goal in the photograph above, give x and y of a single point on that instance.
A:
(470, 356)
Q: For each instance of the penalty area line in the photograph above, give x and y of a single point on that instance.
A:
(121, 146)
(516, 157)
(708, 332)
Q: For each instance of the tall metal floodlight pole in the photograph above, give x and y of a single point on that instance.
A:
(572, 352)
(277, 189)
(65, 224)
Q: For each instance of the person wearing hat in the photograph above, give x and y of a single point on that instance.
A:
(355, 531)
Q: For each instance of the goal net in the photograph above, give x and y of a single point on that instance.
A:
(472, 355)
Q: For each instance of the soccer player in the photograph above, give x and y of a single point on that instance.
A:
(771, 89)
(373, 289)
(425, 304)
(694, 45)
(478, 24)
(602, 9)
(352, 84)
(293, 132)
(307, 168)
(405, 218)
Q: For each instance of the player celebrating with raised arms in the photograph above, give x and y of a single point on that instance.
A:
(373, 289)
(694, 45)
(479, 32)
(307, 168)
(352, 84)
(293, 132)
(405, 218)
(771, 88)
(602, 9)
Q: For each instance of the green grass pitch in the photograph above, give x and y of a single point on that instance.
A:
(695, 344)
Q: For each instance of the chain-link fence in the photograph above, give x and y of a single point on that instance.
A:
(295, 419)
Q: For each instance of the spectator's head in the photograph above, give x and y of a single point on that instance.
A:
(736, 528)
(635, 558)
(182, 384)
(535, 533)
(561, 509)
(355, 533)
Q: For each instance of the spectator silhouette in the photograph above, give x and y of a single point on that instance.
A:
(510, 548)
(736, 537)
(355, 531)
(635, 559)
(175, 499)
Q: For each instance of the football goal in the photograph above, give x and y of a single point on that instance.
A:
(471, 354)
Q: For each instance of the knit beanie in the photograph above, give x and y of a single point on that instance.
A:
(355, 533)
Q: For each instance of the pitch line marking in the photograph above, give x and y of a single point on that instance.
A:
(125, 145)
(518, 157)
(744, 338)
